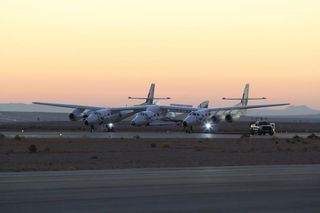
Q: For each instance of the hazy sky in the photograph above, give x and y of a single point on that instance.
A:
(99, 52)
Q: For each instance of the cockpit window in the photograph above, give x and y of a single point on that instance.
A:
(194, 114)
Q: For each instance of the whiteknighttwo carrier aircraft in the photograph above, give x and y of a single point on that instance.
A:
(201, 115)
(149, 113)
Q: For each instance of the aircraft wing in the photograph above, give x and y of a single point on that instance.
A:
(245, 107)
(163, 123)
(144, 107)
(74, 106)
(69, 106)
(182, 109)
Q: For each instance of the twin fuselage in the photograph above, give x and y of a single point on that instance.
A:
(154, 113)
(149, 113)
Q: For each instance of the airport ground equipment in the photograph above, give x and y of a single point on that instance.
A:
(262, 128)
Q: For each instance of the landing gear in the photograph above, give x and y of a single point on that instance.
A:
(91, 128)
(188, 129)
(110, 127)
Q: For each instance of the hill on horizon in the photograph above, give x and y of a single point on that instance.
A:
(291, 110)
(20, 107)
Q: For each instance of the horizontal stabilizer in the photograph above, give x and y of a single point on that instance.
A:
(239, 99)
(139, 98)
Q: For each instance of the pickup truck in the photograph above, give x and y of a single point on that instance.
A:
(262, 128)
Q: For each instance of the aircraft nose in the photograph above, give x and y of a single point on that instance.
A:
(188, 121)
(91, 120)
(137, 121)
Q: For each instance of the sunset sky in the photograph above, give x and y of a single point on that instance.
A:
(99, 52)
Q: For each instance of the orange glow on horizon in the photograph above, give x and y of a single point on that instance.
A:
(100, 52)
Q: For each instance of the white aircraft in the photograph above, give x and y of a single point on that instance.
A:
(211, 116)
(96, 116)
(148, 113)
(157, 115)
(202, 115)
(234, 115)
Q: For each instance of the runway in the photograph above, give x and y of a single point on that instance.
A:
(148, 135)
(293, 188)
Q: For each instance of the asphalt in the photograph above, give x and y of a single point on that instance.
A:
(150, 135)
(294, 188)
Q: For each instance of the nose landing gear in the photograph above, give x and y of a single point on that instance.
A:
(91, 128)
(110, 127)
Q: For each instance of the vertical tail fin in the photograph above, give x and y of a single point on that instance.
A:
(245, 96)
(150, 97)
(204, 104)
(149, 100)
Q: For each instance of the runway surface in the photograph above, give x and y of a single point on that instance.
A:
(211, 189)
(164, 135)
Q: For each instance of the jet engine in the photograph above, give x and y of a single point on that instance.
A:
(76, 115)
(170, 115)
(218, 118)
(86, 113)
(232, 117)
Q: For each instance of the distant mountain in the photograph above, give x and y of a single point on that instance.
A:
(289, 111)
(17, 107)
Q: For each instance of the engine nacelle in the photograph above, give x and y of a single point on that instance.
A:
(76, 115)
(170, 115)
(143, 118)
(86, 113)
(232, 117)
(218, 118)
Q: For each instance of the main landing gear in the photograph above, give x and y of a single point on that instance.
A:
(108, 127)
(188, 129)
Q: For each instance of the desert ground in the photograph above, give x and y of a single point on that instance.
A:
(30, 154)
(35, 154)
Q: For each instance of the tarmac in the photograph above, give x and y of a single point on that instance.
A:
(147, 135)
(294, 188)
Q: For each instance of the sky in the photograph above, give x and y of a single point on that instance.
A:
(99, 52)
